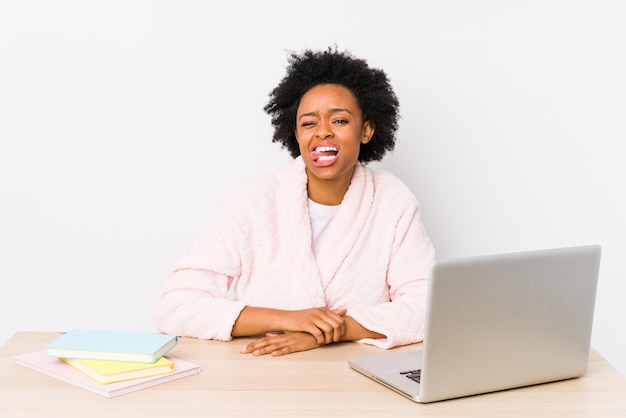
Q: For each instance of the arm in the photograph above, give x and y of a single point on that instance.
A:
(356, 331)
(192, 304)
(398, 320)
(193, 300)
(402, 318)
(253, 320)
(324, 325)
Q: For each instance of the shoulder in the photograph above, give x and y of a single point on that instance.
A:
(265, 189)
(384, 177)
(270, 182)
(389, 187)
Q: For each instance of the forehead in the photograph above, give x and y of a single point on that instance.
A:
(328, 96)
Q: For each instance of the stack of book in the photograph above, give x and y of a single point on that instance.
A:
(109, 363)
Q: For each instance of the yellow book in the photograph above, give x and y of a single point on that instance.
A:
(107, 371)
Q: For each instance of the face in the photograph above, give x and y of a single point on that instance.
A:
(330, 130)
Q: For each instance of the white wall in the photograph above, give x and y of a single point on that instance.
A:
(124, 124)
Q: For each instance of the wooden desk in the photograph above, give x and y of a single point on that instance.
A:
(315, 383)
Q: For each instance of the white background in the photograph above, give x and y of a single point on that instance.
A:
(124, 124)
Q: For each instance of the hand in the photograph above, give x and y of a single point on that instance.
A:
(324, 325)
(278, 344)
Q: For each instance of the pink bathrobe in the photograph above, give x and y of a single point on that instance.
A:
(377, 266)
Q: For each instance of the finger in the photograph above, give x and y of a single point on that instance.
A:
(333, 329)
(339, 332)
(339, 327)
(282, 351)
(295, 342)
(327, 332)
(329, 336)
(256, 344)
(275, 345)
(248, 348)
(341, 312)
(323, 324)
(265, 349)
(317, 333)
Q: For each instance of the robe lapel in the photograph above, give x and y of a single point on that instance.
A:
(296, 230)
(349, 223)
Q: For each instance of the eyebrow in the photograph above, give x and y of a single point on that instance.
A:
(333, 110)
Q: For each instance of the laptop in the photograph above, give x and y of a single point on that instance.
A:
(497, 322)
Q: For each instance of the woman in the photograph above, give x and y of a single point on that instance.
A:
(323, 250)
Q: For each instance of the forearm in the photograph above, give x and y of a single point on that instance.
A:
(401, 321)
(325, 325)
(255, 321)
(355, 331)
(192, 314)
(284, 343)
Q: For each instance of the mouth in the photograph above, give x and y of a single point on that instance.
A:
(323, 155)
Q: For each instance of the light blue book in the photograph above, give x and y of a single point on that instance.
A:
(112, 345)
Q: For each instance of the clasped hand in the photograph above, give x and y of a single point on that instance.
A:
(299, 331)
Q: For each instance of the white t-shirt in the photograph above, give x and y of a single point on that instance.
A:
(320, 216)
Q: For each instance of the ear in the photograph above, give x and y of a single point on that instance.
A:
(367, 132)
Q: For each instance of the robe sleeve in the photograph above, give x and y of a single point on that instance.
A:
(402, 318)
(193, 301)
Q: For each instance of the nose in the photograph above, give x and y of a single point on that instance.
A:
(323, 130)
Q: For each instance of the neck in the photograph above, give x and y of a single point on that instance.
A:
(327, 192)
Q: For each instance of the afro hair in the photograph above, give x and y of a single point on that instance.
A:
(370, 86)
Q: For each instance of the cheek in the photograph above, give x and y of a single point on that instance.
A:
(302, 148)
(301, 138)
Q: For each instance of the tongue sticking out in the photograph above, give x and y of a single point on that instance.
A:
(324, 155)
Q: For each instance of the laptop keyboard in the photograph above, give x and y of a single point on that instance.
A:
(415, 375)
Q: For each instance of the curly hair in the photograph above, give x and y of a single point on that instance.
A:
(370, 86)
